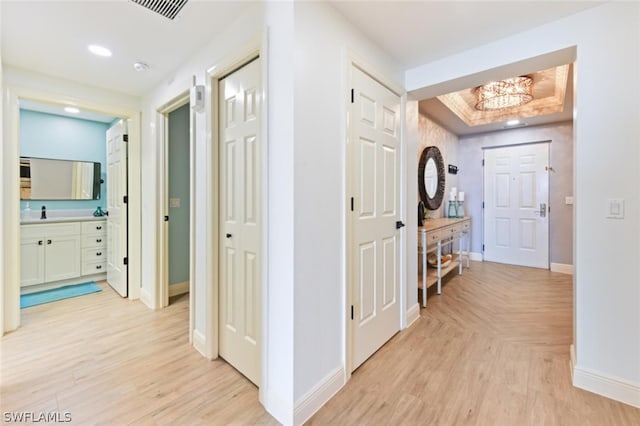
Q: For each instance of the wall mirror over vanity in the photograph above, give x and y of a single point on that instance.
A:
(60, 246)
(54, 179)
(443, 242)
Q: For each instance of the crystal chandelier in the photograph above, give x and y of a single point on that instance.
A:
(507, 93)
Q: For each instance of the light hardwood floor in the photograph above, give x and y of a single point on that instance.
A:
(106, 360)
(491, 350)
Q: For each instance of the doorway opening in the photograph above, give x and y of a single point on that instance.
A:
(85, 236)
(176, 238)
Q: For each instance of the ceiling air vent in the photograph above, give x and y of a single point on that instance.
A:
(167, 8)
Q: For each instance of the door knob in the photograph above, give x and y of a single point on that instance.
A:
(229, 235)
(399, 224)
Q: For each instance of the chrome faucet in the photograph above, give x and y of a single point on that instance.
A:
(43, 215)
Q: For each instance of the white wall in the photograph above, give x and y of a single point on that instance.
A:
(2, 223)
(560, 181)
(276, 19)
(323, 40)
(280, 399)
(67, 89)
(607, 154)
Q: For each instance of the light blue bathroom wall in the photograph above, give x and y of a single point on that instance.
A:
(64, 138)
(179, 189)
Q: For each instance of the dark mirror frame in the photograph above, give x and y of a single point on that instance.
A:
(432, 203)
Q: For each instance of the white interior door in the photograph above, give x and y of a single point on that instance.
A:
(375, 248)
(516, 197)
(117, 208)
(240, 220)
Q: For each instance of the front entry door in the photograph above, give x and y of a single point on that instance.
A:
(240, 219)
(117, 208)
(516, 199)
(374, 162)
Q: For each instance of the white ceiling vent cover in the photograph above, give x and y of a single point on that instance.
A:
(167, 8)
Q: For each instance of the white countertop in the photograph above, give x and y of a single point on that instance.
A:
(57, 216)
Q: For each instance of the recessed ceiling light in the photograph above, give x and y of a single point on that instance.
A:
(99, 50)
(72, 110)
(140, 66)
(513, 122)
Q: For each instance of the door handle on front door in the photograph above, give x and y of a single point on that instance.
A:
(229, 235)
(399, 224)
(543, 209)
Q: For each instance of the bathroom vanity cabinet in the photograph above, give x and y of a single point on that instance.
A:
(61, 253)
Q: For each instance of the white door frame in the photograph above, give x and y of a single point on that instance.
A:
(353, 60)
(11, 196)
(256, 47)
(162, 272)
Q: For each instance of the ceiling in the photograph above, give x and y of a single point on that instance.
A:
(59, 110)
(51, 36)
(552, 103)
(419, 32)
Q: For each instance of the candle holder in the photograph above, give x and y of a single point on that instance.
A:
(460, 209)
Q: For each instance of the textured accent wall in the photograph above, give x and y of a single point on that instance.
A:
(560, 181)
(432, 134)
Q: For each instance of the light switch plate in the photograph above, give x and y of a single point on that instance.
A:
(568, 200)
(615, 208)
(174, 202)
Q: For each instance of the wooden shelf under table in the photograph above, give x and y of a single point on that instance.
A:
(432, 273)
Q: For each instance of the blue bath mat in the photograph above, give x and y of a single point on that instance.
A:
(66, 292)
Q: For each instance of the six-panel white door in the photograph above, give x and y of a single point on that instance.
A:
(516, 197)
(240, 220)
(375, 167)
(117, 209)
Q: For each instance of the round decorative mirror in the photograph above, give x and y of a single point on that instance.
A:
(431, 177)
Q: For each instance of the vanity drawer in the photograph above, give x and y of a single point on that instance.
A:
(94, 227)
(94, 254)
(97, 241)
(89, 268)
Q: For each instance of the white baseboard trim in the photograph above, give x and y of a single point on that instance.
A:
(413, 313)
(475, 256)
(563, 268)
(277, 407)
(322, 392)
(608, 386)
(199, 343)
(145, 297)
(179, 288)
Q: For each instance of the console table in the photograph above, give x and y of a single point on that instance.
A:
(433, 236)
